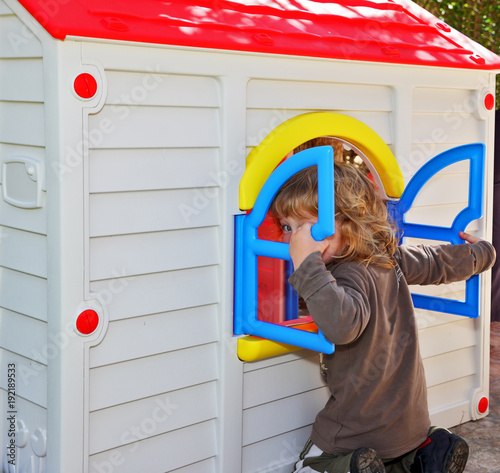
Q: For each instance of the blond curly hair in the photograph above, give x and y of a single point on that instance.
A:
(368, 234)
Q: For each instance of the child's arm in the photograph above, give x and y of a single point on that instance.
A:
(341, 312)
(442, 264)
(340, 308)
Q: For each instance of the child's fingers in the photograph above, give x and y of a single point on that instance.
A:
(302, 244)
(468, 238)
(304, 233)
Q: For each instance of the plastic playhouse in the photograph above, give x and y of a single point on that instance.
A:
(145, 319)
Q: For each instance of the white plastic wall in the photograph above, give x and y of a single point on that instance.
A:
(24, 347)
(154, 251)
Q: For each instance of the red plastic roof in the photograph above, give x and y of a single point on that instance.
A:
(394, 31)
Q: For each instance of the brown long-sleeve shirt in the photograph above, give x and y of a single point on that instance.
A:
(376, 376)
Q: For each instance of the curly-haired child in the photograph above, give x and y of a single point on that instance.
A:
(355, 285)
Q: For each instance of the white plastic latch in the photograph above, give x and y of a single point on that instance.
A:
(22, 181)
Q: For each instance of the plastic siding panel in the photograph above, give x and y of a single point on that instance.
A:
(153, 293)
(281, 380)
(457, 128)
(172, 450)
(153, 211)
(454, 290)
(438, 215)
(447, 338)
(16, 41)
(32, 377)
(450, 393)
(140, 337)
(24, 293)
(317, 96)
(21, 80)
(147, 58)
(131, 380)
(23, 251)
(32, 221)
(152, 252)
(277, 360)
(125, 126)
(260, 122)
(423, 151)
(122, 170)
(30, 115)
(273, 418)
(24, 336)
(453, 415)
(428, 318)
(444, 189)
(152, 88)
(461, 167)
(448, 99)
(206, 466)
(34, 415)
(450, 366)
(441, 212)
(128, 423)
(276, 454)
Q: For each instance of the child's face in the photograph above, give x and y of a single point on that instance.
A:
(291, 225)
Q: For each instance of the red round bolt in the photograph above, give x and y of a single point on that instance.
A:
(489, 101)
(85, 85)
(482, 405)
(87, 321)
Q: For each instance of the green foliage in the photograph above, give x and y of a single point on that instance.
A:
(477, 19)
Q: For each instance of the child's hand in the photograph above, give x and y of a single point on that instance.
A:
(469, 238)
(302, 244)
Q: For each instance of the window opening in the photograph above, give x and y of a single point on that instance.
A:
(278, 302)
(259, 251)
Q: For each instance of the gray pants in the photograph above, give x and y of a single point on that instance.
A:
(313, 460)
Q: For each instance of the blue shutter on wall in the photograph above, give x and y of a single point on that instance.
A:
(474, 153)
